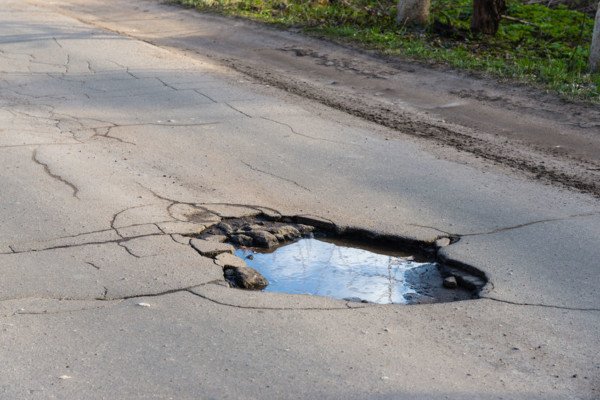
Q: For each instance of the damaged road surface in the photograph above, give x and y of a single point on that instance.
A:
(118, 153)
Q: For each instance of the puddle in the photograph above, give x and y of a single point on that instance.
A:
(334, 268)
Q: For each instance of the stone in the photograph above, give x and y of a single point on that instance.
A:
(241, 240)
(225, 227)
(263, 239)
(227, 260)
(211, 249)
(442, 242)
(246, 278)
(450, 282)
(288, 232)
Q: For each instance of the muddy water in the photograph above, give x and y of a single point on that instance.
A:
(334, 269)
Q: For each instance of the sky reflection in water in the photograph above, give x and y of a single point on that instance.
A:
(311, 266)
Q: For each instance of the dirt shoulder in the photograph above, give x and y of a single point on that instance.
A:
(525, 129)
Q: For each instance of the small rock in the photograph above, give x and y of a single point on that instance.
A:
(63, 377)
(241, 240)
(143, 304)
(246, 278)
(450, 283)
(287, 231)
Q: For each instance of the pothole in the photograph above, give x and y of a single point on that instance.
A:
(286, 256)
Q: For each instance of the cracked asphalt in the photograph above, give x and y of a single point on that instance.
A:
(114, 148)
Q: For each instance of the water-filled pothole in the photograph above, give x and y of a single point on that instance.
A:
(338, 269)
(289, 257)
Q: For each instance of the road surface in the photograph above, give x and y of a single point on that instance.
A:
(110, 140)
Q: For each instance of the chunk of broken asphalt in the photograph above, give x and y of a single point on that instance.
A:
(263, 239)
(246, 278)
(211, 249)
(241, 240)
(227, 260)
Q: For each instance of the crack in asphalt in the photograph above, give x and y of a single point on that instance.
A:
(253, 168)
(208, 97)
(235, 109)
(304, 135)
(257, 208)
(92, 265)
(165, 84)
(108, 129)
(113, 220)
(74, 245)
(57, 43)
(46, 312)
(55, 176)
(126, 68)
(11, 146)
(509, 228)
(269, 308)
(128, 250)
(539, 305)
(589, 214)
(107, 135)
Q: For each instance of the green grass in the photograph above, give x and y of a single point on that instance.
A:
(550, 50)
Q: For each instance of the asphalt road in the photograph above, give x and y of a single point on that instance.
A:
(109, 143)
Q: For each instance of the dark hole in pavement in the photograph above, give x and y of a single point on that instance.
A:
(290, 257)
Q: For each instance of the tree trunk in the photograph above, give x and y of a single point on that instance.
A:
(413, 12)
(595, 48)
(486, 16)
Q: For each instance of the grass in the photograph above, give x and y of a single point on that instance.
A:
(545, 46)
